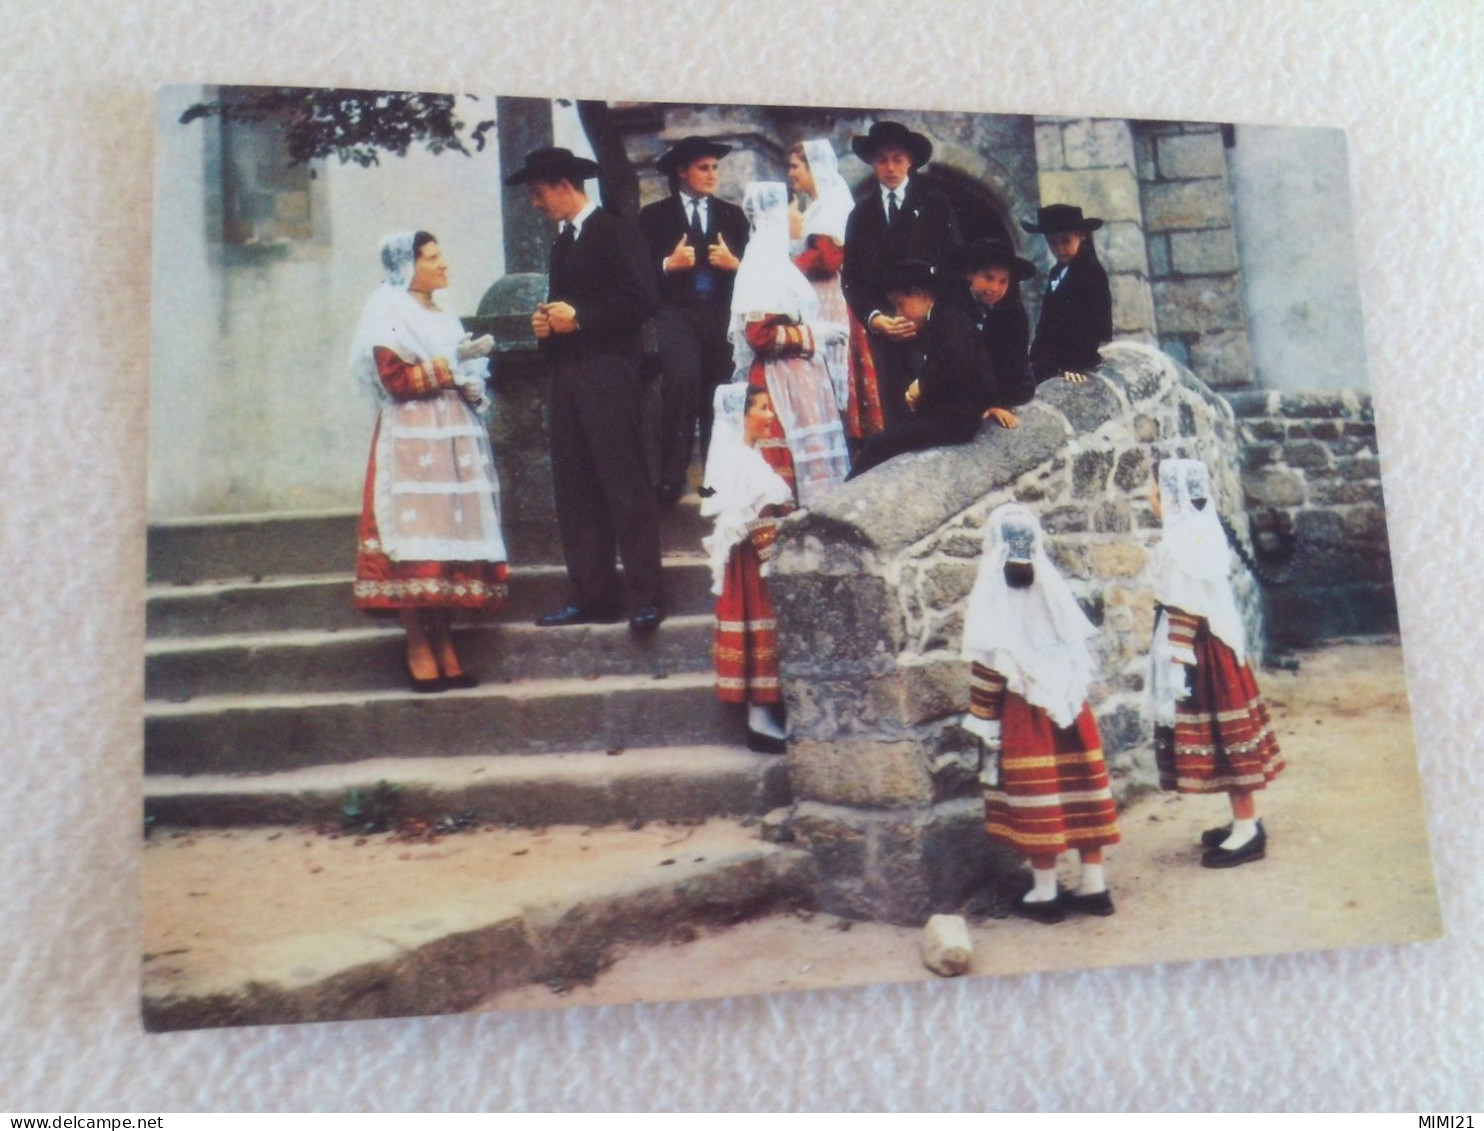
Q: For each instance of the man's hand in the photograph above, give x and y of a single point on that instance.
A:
(471, 347)
(561, 315)
(541, 324)
(721, 256)
(1003, 417)
(683, 258)
(1074, 378)
(913, 395)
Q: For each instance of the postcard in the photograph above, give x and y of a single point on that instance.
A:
(611, 551)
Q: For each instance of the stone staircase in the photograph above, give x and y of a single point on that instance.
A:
(269, 698)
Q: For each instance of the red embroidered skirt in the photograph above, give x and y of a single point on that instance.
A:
(863, 414)
(746, 643)
(383, 585)
(1053, 793)
(1222, 739)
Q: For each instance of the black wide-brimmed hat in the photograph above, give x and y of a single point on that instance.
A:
(908, 275)
(687, 150)
(1061, 218)
(553, 164)
(976, 255)
(882, 134)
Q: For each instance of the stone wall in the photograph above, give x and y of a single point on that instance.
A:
(870, 598)
(1185, 190)
(1311, 475)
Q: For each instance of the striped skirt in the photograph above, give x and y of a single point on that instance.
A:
(746, 648)
(1222, 739)
(1053, 793)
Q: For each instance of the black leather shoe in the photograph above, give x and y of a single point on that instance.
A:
(1046, 911)
(668, 494)
(463, 681)
(424, 686)
(645, 620)
(575, 614)
(1212, 838)
(1254, 849)
(765, 743)
(1099, 904)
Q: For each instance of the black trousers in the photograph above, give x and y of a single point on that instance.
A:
(913, 435)
(604, 501)
(897, 366)
(695, 357)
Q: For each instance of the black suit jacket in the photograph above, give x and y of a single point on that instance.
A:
(665, 221)
(607, 279)
(925, 229)
(1006, 331)
(956, 383)
(1076, 318)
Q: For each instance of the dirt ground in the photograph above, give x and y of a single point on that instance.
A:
(1348, 865)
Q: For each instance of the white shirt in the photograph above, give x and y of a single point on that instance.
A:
(577, 221)
(900, 190)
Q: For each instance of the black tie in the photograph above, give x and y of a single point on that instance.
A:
(564, 244)
(892, 208)
(697, 229)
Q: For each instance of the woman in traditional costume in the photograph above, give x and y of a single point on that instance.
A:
(778, 339)
(746, 497)
(430, 537)
(1045, 783)
(817, 242)
(1212, 733)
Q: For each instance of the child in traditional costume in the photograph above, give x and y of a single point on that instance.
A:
(746, 497)
(779, 340)
(1212, 733)
(1077, 310)
(993, 273)
(1045, 783)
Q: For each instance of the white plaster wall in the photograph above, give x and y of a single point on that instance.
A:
(252, 408)
(1391, 1028)
(1296, 238)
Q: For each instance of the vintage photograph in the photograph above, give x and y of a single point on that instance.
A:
(610, 551)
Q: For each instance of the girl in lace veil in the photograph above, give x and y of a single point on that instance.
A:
(1212, 732)
(818, 248)
(778, 337)
(1045, 783)
(746, 498)
(430, 538)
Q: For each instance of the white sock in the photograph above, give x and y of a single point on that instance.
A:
(760, 719)
(1242, 832)
(1092, 882)
(1044, 890)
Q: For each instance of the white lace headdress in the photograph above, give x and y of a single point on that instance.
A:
(1193, 567)
(1036, 637)
(740, 480)
(830, 208)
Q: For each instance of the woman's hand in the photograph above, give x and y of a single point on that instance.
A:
(471, 347)
(1003, 417)
(473, 395)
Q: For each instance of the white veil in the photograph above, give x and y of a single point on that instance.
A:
(767, 281)
(832, 201)
(1035, 637)
(740, 480)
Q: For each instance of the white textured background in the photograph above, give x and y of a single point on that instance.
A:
(1381, 1028)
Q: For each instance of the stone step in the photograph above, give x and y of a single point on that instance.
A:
(374, 658)
(324, 601)
(268, 733)
(265, 926)
(187, 551)
(586, 788)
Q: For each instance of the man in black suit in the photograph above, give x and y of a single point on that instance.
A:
(957, 388)
(899, 217)
(600, 293)
(695, 244)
